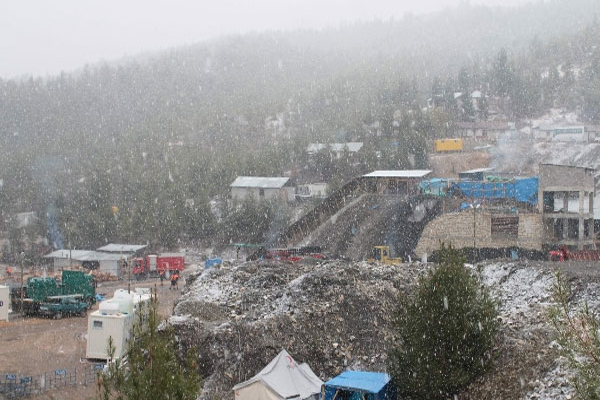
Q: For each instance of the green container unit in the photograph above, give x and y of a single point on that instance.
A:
(38, 289)
(78, 282)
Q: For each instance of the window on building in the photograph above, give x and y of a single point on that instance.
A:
(97, 325)
(505, 227)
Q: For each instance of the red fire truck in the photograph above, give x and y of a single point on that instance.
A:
(154, 265)
(564, 254)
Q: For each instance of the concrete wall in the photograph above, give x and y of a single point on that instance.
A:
(457, 229)
(285, 193)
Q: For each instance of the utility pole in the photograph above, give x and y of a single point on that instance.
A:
(474, 207)
(22, 291)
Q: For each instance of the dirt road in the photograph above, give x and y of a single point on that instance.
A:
(32, 346)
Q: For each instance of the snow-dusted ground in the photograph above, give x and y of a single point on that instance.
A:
(336, 314)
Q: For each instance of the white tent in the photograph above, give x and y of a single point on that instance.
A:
(281, 379)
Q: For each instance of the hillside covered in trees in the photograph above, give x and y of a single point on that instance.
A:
(144, 149)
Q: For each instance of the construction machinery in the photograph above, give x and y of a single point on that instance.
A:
(382, 254)
(155, 265)
(44, 292)
(564, 254)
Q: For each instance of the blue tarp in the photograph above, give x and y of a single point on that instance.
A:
(436, 186)
(211, 262)
(353, 384)
(524, 190)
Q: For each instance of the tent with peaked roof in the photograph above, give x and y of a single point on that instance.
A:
(281, 379)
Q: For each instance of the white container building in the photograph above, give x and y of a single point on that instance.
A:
(114, 318)
(4, 303)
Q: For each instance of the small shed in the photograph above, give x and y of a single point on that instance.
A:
(360, 385)
(281, 379)
(261, 187)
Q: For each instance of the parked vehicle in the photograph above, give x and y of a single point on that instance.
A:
(155, 265)
(382, 254)
(564, 254)
(59, 306)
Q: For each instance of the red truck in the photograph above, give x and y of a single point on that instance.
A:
(564, 254)
(154, 265)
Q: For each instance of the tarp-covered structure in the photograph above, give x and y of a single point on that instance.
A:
(281, 379)
(360, 385)
(524, 190)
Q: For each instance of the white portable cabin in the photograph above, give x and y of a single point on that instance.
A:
(114, 318)
(4, 303)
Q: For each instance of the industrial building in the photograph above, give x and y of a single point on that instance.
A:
(565, 224)
(403, 182)
(105, 262)
(534, 213)
(259, 187)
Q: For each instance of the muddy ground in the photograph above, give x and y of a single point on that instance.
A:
(32, 346)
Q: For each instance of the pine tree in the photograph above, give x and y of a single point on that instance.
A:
(579, 335)
(152, 370)
(445, 332)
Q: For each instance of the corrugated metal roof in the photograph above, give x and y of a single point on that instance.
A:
(353, 147)
(121, 248)
(410, 173)
(474, 171)
(83, 255)
(569, 166)
(100, 256)
(260, 182)
(74, 254)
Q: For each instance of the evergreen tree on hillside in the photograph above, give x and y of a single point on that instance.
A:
(152, 370)
(444, 332)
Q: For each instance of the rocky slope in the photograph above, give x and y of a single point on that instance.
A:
(335, 315)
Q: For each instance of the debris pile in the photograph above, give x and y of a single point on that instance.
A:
(336, 315)
(332, 315)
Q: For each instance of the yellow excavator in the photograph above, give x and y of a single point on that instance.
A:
(382, 254)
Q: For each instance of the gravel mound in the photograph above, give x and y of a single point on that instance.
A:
(336, 315)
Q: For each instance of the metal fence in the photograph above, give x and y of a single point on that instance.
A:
(14, 386)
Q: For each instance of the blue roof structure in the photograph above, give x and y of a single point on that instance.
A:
(369, 382)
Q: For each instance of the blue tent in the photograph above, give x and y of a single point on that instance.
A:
(360, 385)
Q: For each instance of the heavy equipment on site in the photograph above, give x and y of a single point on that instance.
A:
(43, 294)
(156, 265)
(382, 254)
(564, 254)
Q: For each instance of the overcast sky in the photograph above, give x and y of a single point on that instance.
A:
(40, 37)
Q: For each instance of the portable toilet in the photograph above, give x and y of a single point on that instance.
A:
(4, 303)
(359, 385)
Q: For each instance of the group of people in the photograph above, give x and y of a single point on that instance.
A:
(174, 279)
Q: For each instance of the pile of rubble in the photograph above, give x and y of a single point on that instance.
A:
(332, 315)
(336, 315)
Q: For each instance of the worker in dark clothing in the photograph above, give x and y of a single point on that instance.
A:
(162, 277)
